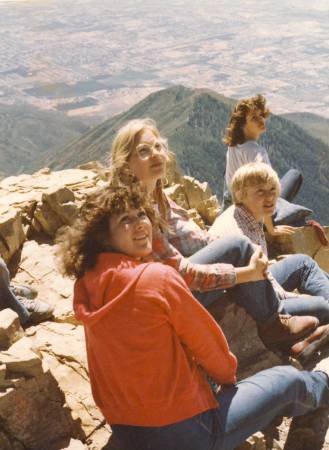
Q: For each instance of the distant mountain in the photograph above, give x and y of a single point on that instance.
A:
(317, 126)
(194, 121)
(28, 135)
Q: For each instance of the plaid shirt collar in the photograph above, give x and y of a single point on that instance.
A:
(250, 227)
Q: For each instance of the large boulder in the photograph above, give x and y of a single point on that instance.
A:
(62, 347)
(12, 233)
(46, 199)
(10, 328)
(195, 197)
(33, 412)
(57, 208)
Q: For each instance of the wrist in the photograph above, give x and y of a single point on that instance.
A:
(244, 274)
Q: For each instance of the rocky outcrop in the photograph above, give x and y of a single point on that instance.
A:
(45, 397)
(304, 240)
(12, 234)
(195, 197)
(42, 203)
(10, 328)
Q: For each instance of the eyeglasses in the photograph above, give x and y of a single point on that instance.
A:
(145, 151)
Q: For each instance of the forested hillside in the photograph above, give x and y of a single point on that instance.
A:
(317, 126)
(194, 121)
(28, 135)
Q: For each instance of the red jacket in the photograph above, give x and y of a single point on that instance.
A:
(147, 341)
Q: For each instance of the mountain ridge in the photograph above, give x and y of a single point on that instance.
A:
(194, 121)
(28, 135)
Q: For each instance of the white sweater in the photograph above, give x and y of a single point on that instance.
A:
(243, 154)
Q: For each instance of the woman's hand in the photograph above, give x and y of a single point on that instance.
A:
(256, 269)
(282, 230)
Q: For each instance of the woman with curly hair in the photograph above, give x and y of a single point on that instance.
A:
(246, 125)
(147, 364)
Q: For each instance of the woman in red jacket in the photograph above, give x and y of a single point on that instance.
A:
(147, 363)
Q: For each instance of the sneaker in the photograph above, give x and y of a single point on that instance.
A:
(286, 329)
(303, 350)
(39, 311)
(20, 290)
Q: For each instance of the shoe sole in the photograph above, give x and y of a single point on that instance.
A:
(306, 354)
(40, 318)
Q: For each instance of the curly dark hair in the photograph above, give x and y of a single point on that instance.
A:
(80, 244)
(234, 131)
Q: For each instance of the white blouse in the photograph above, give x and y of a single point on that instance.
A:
(243, 154)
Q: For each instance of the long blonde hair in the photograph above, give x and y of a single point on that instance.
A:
(123, 144)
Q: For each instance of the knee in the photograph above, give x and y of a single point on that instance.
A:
(291, 380)
(308, 262)
(303, 260)
(296, 173)
(242, 247)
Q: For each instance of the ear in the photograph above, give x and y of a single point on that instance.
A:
(238, 196)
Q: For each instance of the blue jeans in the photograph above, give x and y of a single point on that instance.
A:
(303, 273)
(290, 184)
(259, 298)
(245, 408)
(7, 298)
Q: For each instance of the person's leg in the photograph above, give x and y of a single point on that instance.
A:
(7, 299)
(307, 306)
(301, 272)
(290, 184)
(253, 403)
(194, 433)
(258, 298)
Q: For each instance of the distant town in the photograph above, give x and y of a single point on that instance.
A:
(95, 58)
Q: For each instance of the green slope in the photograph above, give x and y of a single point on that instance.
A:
(27, 135)
(194, 121)
(316, 126)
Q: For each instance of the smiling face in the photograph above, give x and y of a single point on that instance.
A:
(260, 200)
(131, 233)
(148, 159)
(255, 125)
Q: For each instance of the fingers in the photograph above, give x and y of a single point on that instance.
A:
(288, 229)
(284, 230)
(258, 253)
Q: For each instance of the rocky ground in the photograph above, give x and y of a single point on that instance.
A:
(45, 397)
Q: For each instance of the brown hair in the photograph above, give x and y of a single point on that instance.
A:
(252, 174)
(123, 144)
(80, 244)
(234, 131)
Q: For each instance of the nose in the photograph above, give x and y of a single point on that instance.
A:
(139, 222)
(270, 194)
(156, 150)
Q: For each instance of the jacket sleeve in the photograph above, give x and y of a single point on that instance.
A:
(198, 277)
(80, 300)
(198, 331)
